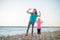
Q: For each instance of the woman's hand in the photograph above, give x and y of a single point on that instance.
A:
(39, 14)
(28, 10)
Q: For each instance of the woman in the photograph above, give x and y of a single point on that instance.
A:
(32, 20)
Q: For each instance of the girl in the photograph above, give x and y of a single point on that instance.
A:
(39, 27)
(32, 19)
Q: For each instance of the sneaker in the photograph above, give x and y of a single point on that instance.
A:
(26, 35)
(32, 35)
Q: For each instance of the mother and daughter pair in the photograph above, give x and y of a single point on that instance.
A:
(32, 21)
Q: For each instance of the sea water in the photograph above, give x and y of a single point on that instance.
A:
(9, 31)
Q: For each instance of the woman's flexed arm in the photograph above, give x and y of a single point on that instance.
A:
(39, 14)
(28, 10)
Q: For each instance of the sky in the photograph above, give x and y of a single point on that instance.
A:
(13, 12)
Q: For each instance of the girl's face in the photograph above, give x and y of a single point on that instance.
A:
(38, 19)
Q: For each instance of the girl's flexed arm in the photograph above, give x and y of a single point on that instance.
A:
(41, 21)
(28, 10)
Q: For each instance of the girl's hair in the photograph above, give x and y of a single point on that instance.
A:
(35, 11)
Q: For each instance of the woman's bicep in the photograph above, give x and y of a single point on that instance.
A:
(27, 11)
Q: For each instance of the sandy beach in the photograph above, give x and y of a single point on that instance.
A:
(54, 35)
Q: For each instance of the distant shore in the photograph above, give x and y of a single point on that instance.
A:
(26, 26)
(54, 35)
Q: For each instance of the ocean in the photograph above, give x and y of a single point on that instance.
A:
(10, 31)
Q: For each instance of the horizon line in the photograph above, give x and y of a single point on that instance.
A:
(34, 26)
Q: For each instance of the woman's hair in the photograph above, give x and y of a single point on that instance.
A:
(35, 11)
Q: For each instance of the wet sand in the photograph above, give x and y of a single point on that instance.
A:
(54, 35)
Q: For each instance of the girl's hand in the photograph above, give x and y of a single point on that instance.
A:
(41, 21)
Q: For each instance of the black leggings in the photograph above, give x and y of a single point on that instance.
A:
(29, 27)
(38, 31)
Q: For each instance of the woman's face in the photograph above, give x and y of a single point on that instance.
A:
(34, 11)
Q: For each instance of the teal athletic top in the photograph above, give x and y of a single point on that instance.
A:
(33, 17)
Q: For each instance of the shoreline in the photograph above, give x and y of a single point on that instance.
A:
(53, 35)
(30, 27)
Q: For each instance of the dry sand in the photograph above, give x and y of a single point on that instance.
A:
(54, 35)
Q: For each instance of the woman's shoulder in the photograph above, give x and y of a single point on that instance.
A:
(30, 12)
